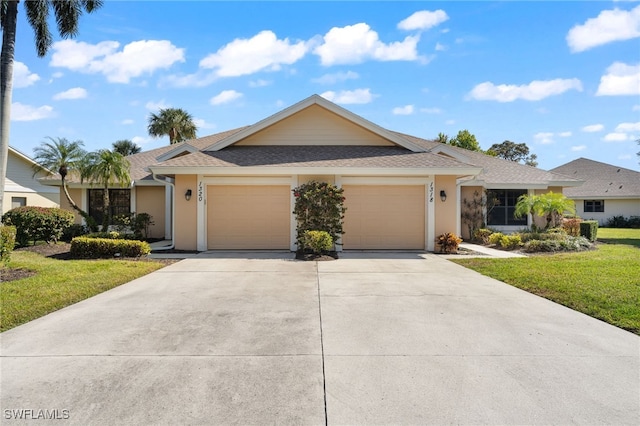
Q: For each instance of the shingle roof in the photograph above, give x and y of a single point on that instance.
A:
(497, 171)
(601, 180)
(315, 156)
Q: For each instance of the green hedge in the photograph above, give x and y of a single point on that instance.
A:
(38, 223)
(96, 248)
(589, 230)
(7, 242)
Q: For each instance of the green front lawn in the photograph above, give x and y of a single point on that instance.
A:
(60, 283)
(603, 283)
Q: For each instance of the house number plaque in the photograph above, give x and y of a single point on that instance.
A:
(200, 191)
(431, 192)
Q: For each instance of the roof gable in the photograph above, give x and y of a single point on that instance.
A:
(316, 121)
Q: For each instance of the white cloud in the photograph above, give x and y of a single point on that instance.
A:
(74, 93)
(118, 66)
(564, 134)
(21, 112)
(155, 106)
(628, 127)
(593, 128)
(616, 137)
(621, 79)
(262, 52)
(225, 97)
(544, 138)
(423, 20)
(358, 96)
(450, 122)
(609, 26)
(403, 110)
(259, 83)
(201, 123)
(336, 77)
(431, 110)
(354, 44)
(127, 121)
(198, 79)
(440, 47)
(534, 91)
(624, 157)
(22, 77)
(635, 108)
(578, 148)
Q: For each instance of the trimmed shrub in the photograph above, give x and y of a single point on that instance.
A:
(510, 242)
(38, 223)
(589, 230)
(317, 241)
(622, 222)
(482, 235)
(572, 226)
(7, 243)
(96, 248)
(73, 231)
(568, 243)
(448, 242)
(111, 235)
(495, 238)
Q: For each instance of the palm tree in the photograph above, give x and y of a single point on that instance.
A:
(106, 168)
(551, 206)
(65, 157)
(67, 14)
(174, 122)
(126, 147)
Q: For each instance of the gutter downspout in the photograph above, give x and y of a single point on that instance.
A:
(168, 181)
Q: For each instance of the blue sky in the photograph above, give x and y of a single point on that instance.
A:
(562, 77)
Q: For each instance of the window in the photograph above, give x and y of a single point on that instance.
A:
(505, 206)
(119, 203)
(18, 202)
(594, 206)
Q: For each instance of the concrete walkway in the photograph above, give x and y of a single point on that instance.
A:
(373, 338)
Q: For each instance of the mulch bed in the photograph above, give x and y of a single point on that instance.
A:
(332, 255)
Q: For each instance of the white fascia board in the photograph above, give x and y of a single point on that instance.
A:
(315, 100)
(177, 151)
(604, 197)
(344, 171)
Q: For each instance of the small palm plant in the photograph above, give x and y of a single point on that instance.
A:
(551, 206)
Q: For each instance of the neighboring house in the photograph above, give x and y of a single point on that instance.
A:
(233, 189)
(22, 187)
(607, 191)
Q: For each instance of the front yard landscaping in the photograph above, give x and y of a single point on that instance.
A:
(602, 283)
(49, 284)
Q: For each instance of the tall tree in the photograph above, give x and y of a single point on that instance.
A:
(465, 139)
(67, 14)
(513, 152)
(126, 147)
(65, 157)
(106, 168)
(174, 122)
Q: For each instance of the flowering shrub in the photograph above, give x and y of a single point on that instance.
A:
(318, 207)
(448, 242)
(38, 223)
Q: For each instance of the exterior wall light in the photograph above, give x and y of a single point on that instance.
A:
(443, 195)
(187, 195)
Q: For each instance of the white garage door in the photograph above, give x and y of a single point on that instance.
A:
(384, 217)
(248, 217)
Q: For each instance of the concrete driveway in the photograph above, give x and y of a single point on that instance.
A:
(368, 339)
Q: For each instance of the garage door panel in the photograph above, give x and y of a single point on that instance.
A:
(384, 217)
(248, 217)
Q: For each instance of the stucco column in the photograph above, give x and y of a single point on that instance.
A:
(201, 217)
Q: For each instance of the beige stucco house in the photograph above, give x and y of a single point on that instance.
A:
(22, 187)
(607, 190)
(233, 190)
